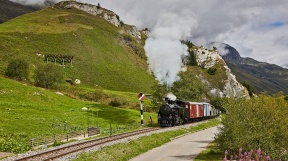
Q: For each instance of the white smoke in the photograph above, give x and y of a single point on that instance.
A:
(163, 47)
(171, 96)
(221, 48)
(37, 2)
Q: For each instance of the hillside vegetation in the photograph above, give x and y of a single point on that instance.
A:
(260, 122)
(100, 58)
(28, 112)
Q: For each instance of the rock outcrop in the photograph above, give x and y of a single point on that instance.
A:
(108, 15)
(232, 88)
(103, 13)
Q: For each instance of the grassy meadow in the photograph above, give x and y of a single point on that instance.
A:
(29, 112)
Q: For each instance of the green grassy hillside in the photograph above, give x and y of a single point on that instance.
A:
(28, 112)
(100, 57)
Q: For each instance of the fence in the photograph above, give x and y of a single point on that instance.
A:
(58, 139)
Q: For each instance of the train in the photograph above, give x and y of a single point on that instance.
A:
(176, 112)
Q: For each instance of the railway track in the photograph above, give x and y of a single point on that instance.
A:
(67, 150)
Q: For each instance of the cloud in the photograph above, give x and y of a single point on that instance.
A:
(241, 24)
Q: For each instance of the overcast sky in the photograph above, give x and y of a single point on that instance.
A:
(256, 28)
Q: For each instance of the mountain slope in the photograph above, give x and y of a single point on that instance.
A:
(263, 76)
(100, 56)
(9, 10)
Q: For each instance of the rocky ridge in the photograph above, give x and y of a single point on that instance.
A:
(232, 88)
(103, 13)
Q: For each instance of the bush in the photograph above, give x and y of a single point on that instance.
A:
(286, 98)
(249, 87)
(98, 6)
(127, 37)
(48, 75)
(256, 123)
(14, 143)
(18, 69)
(117, 102)
(211, 71)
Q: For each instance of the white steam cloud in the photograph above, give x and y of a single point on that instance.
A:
(163, 47)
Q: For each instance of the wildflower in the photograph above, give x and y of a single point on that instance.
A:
(226, 152)
(225, 159)
(268, 157)
(240, 150)
(259, 151)
(245, 154)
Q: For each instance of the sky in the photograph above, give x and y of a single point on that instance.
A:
(257, 29)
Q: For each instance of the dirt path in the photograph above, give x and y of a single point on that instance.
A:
(183, 148)
(5, 154)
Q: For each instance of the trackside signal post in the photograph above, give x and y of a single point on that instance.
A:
(141, 98)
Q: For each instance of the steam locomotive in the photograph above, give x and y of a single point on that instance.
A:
(180, 112)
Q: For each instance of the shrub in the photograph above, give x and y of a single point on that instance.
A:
(121, 23)
(115, 102)
(18, 69)
(211, 71)
(98, 6)
(98, 95)
(48, 75)
(127, 37)
(57, 143)
(14, 143)
(256, 123)
(249, 87)
(286, 98)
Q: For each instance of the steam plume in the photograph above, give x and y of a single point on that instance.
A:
(163, 47)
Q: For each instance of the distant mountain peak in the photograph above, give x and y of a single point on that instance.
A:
(263, 76)
(232, 55)
(10, 10)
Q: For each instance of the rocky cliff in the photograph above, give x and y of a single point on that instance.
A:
(106, 14)
(231, 87)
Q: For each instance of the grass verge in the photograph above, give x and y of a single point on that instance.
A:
(126, 151)
(212, 153)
